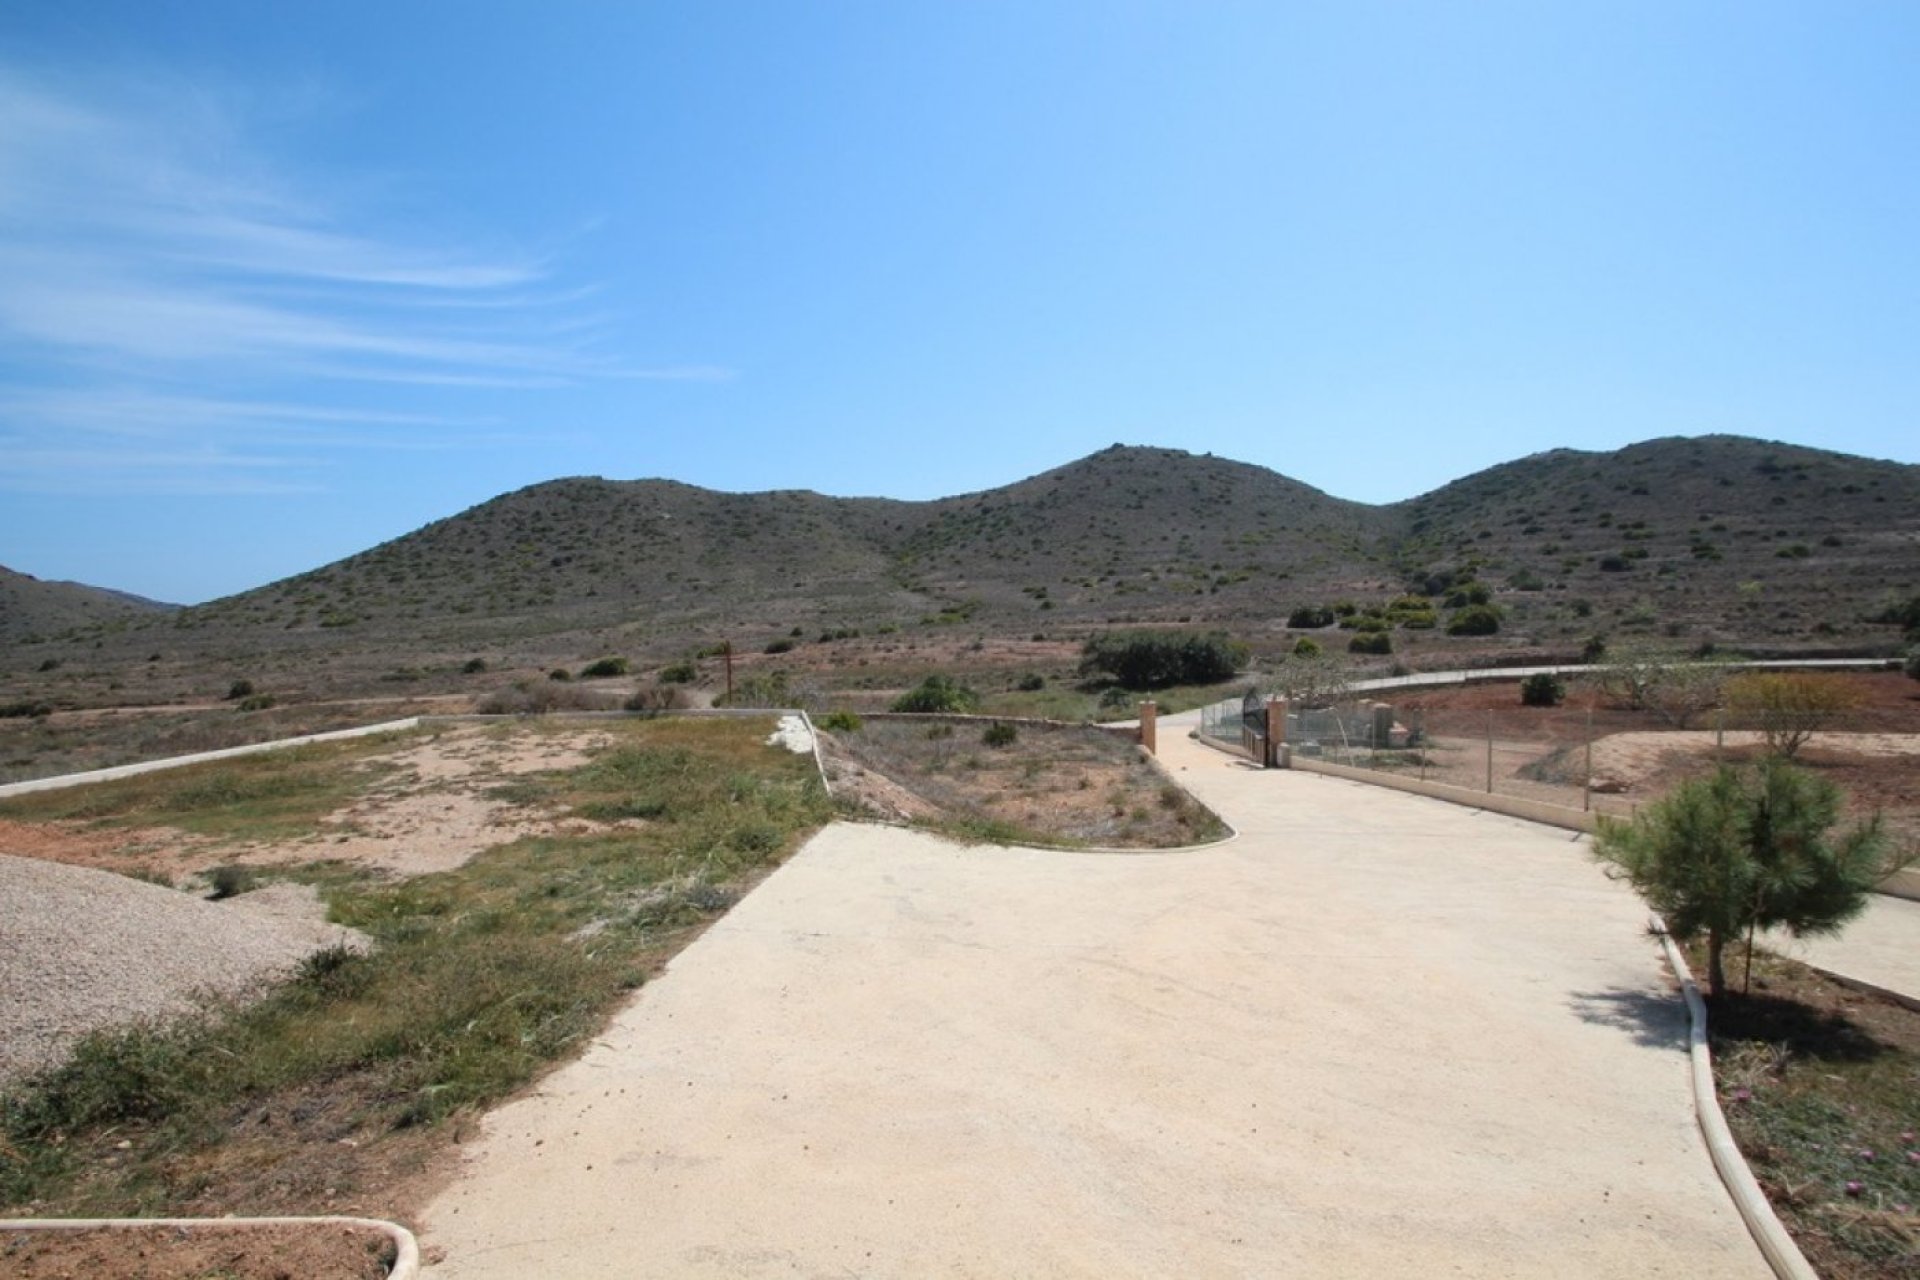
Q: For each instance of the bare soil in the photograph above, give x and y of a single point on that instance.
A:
(1066, 783)
(102, 737)
(432, 814)
(325, 1251)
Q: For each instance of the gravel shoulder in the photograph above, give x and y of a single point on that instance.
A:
(82, 949)
(1375, 1035)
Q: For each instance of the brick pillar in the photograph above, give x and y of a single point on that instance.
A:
(1276, 732)
(1382, 725)
(1149, 712)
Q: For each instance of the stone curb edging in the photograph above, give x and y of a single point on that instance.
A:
(200, 757)
(1781, 1253)
(819, 760)
(406, 1249)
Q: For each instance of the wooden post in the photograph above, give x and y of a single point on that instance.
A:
(729, 656)
(1149, 733)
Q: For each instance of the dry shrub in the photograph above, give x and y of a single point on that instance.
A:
(533, 698)
(660, 698)
(1790, 707)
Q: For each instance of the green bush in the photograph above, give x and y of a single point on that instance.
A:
(473, 666)
(779, 646)
(1469, 593)
(24, 710)
(256, 702)
(683, 672)
(229, 881)
(239, 689)
(937, 694)
(1031, 683)
(1159, 659)
(1904, 614)
(1542, 689)
(840, 722)
(1474, 620)
(1306, 647)
(1000, 734)
(561, 674)
(1414, 612)
(601, 668)
(1310, 617)
(1370, 642)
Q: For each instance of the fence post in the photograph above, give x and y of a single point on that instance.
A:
(1489, 753)
(1276, 734)
(1586, 791)
(1149, 733)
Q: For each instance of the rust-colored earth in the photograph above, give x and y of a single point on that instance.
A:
(323, 1251)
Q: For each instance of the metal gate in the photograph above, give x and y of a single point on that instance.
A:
(1253, 725)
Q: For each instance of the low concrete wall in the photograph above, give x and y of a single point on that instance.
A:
(1903, 884)
(1554, 815)
(201, 757)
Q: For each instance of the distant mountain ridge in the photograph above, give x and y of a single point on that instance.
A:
(1711, 537)
(30, 607)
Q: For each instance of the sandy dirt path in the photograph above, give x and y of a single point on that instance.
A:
(1376, 1035)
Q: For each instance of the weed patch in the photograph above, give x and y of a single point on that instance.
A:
(480, 978)
(275, 795)
(1820, 1084)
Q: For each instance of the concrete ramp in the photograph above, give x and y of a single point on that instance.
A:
(1375, 1036)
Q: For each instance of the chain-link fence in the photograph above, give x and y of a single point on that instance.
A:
(1592, 754)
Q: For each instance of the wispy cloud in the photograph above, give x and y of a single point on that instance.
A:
(146, 246)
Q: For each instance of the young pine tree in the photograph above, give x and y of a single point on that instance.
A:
(1745, 850)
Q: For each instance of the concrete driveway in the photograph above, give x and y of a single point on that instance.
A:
(1376, 1035)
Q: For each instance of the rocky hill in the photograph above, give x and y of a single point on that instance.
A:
(1719, 536)
(31, 609)
(1720, 539)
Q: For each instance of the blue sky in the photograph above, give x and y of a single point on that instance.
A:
(280, 282)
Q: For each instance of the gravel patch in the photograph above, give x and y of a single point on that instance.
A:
(83, 949)
(793, 734)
